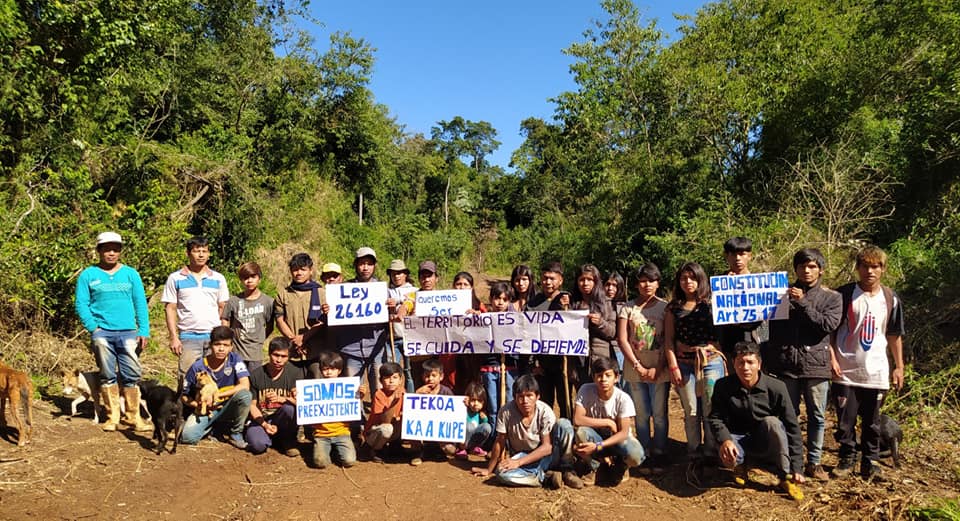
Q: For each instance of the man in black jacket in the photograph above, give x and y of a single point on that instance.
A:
(752, 416)
(799, 349)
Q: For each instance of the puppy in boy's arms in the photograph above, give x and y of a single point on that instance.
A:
(87, 384)
(15, 386)
(206, 393)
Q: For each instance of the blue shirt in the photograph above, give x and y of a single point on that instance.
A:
(229, 375)
(115, 302)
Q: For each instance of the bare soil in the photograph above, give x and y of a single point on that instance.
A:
(73, 470)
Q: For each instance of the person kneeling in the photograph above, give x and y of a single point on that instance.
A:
(229, 405)
(604, 417)
(753, 418)
(530, 442)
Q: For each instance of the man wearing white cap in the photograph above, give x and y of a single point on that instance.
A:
(112, 305)
(362, 345)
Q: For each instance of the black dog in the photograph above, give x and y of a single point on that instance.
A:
(166, 410)
(890, 438)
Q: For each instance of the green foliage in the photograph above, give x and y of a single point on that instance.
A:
(944, 510)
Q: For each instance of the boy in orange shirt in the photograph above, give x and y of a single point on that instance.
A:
(383, 424)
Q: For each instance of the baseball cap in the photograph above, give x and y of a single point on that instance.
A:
(428, 266)
(331, 267)
(397, 265)
(109, 237)
(366, 252)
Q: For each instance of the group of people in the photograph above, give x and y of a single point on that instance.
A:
(612, 404)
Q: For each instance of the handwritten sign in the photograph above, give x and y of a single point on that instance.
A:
(561, 333)
(431, 417)
(328, 400)
(444, 302)
(750, 298)
(357, 303)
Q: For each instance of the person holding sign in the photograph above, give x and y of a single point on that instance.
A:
(273, 409)
(533, 440)
(550, 371)
(604, 421)
(799, 349)
(753, 419)
(383, 426)
(363, 345)
(498, 371)
(871, 324)
(647, 381)
(333, 437)
(589, 295)
(402, 295)
(521, 279)
(693, 355)
(464, 366)
(432, 378)
(738, 252)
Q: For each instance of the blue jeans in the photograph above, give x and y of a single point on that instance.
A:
(532, 474)
(480, 436)
(650, 401)
(491, 384)
(352, 367)
(285, 419)
(232, 415)
(696, 409)
(340, 447)
(116, 354)
(629, 450)
(814, 392)
(766, 444)
(194, 347)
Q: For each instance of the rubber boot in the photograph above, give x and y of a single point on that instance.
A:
(131, 416)
(110, 399)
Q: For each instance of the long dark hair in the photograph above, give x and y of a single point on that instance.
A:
(621, 295)
(597, 296)
(520, 271)
(703, 285)
(473, 290)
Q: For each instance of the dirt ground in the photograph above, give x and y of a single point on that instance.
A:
(73, 470)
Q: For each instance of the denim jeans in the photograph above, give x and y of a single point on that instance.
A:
(650, 401)
(696, 409)
(814, 392)
(340, 447)
(352, 367)
(491, 384)
(116, 354)
(561, 457)
(480, 436)
(231, 416)
(629, 450)
(766, 444)
(194, 347)
(285, 420)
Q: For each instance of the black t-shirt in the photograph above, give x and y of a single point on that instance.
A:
(260, 383)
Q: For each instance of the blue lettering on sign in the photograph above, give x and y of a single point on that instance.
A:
(431, 403)
(358, 310)
(355, 292)
(329, 391)
(543, 317)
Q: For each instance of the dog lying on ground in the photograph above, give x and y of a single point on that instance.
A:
(206, 393)
(16, 387)
(890, 438)
(166, 410)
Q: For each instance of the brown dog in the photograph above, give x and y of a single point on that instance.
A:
(206, 392)
(15, 386)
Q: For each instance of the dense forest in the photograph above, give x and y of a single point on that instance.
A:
(794, 122)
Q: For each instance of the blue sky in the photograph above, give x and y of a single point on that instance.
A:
(497, 61)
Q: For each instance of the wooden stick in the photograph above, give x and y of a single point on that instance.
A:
(503, 379)
(390, 353)
(566, 389)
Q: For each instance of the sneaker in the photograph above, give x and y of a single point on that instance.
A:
(461, 454)
(792, 489)
(478, 451)
(552, 480)
(815, 471)
(843, 469)
(291, 452)
(741, 475)
(416, 461)
(572, 480)
(237, 441)
(449, 449)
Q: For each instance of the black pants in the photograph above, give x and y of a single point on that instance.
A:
(853, 402)
(553, 385)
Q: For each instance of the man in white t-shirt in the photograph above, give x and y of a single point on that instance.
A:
(872, 323)
(193, 298)
(604, 418)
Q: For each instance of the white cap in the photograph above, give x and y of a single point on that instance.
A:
(109, 237)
